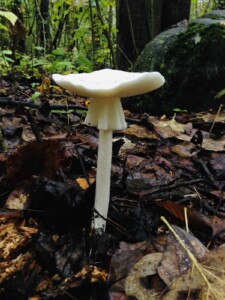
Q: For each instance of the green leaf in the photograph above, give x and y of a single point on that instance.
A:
(179, 110)
(3, 27)
(9, 16)
(62, 112)
(220, 94)
(35, 95)
(7, 52)
(39, 48)
(59, 52)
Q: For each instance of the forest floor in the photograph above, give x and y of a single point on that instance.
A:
(162, 166)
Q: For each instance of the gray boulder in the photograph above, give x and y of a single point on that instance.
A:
(192, 59)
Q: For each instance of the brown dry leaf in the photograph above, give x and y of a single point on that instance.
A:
(127, 146)
(196, 220)
(207, 144)
(122, 261)
(134, 160)
(57, 136)
(28, 231)
(217, 164)
(10, 268)
(36, 158)
(12, 238)
(213, 118)
(210, 224)
(146, 266)
(175, 126)
(83, 182)
(14, 122)
(168, 128)
(27, 134)
(140, 132)
(93, 274)
(218, 224)
(5, 216)
(185, 149)
(87, 139)
(192, 285)
(148, 173)
(175, 260)
(219, 194)
(18, 199)
(214, 145)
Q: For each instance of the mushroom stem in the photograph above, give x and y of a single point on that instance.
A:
(102, 192)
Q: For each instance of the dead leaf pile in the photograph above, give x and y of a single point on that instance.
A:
(161, 166)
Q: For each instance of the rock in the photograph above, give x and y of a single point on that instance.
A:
(192, 59)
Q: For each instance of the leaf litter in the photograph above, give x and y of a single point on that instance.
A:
(160, 167)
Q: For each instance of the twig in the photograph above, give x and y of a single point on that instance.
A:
(9, 102)
(43, 27)
(170, 187)
(131, 28)
(106, 33)
(33, 125)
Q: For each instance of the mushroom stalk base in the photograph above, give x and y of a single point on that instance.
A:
(103, 176)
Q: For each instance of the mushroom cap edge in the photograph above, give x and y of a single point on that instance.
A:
(109, 83)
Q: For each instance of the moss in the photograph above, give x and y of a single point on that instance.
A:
(195, 67)
(192, 60)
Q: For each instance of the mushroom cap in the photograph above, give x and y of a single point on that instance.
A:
(109, 83)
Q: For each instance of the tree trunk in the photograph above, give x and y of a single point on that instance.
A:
(18, 31)
(175, 11)
(137, 24)
(45, 29)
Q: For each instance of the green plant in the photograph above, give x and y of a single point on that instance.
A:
(5, 61)
(11, 17)
(69, 36)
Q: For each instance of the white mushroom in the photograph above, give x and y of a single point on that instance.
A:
(106, 87)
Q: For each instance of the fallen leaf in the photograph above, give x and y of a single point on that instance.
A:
(92, 274)
(196, 220)
(214, 145)
(83, 182)
(213, 118)
(192, 284)
(140, 132)
(168, 128)
(210, 224)
(9, 268)
(18, 199)
(185, 149)
(27, 134)
(122, 261)
(175, 260)
(146, 266)
(217, 164)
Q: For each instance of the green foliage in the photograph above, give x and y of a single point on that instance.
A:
(179, 110)
(35, 96)
(70, 38)
(200, 7)
(5, 61)
(220, 94)
(11, 17)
